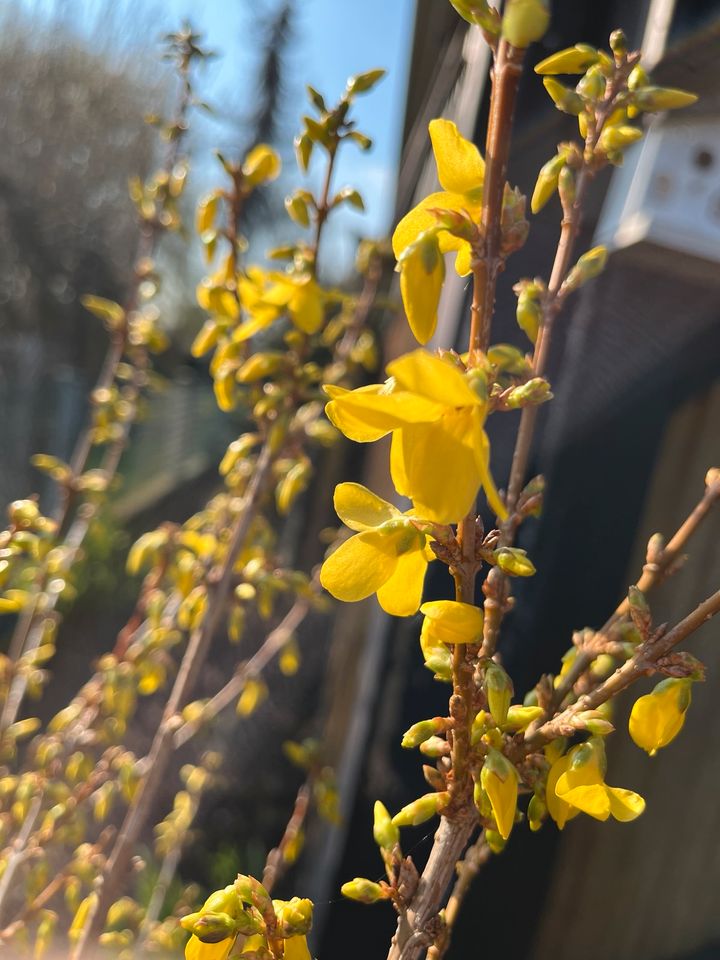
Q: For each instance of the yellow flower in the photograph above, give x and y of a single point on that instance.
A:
(300, 296)
(440, 452)
(499, 780)
(449, 621)
(387, 556)
(461, 170)
(296, 948)
(576, 784)
(658, 717)
(197, 950)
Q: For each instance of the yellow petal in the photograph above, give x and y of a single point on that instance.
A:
(560, 811)
(296, 948)
(360, 566)
(366, 415)
(460, 167)
(463, 260)
(657, 718)
(482, 458)
(499, 780)
(428, 376)
(625, 805)
(440, 469)
(306, 308)
(592, 799)
(397, 465)
(422, 272)
(419, 219)
(450, 621)
(261, 165)
(359, 508)
(258, 321)
(400, 596)
(197, 950)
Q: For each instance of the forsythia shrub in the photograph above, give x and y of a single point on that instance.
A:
(289, 354)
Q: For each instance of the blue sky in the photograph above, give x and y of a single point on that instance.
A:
(333, 39)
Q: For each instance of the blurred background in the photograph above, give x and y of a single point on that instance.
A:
(625, 445)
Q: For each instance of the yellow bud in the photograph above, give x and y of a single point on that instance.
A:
(525, 21)
(564, 99)
(653, 99)
(292, 485)
(547, 182)
(362, 890)
(499, 780)
(422, 731)
(421, 809)
(449, 621)
(259, 366)
(614, 139)
(575, 59)
(513, 560)
(261, 165)
(385, 832)
(589, 266)
(520, 717)
(294, 916)
(499, 691)
(254, 693)
(658, 717)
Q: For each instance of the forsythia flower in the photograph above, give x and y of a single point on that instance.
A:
(658, 717)
(449, 621)
(197, 950)
(576, 784)
(461, 171)
(440, 452)
(499, 780)
(387, 556)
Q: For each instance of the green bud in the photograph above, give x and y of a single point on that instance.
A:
(638, 78)
(567, 186)
(364, 81)
(593, 722)
(529, 312)
(480, 725)
(639, 609)
(499, 691)
(592, 85)
(226, 900)
(532, 393)
(537, 812)
(214, 927)
(589, 266)
(362, 890)
(525, 21)
(303, 151)
(421, 809)
(480, 13)
(514, 562)
(385, 832)
(495, 841)
(563, 97)
(297, 208)
(481, 800)
(571, 60)
(618, 43)
(422, 731)
(435, 747)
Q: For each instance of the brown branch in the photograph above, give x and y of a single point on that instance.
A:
(640, 664)
(475, 858)
(653, 574)
(276, 864)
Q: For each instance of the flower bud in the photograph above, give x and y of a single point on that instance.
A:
(499, 691)
(658, 717)
(575, 59)
(525, 21)
(618, 43)
(529, 312)
(563, 97)
(499, 780)
(495, 841)
(514, 562)
(653, 99)
(385, 832)
(520, 717)
(537, 812)
(589, 266)
(362, 890)
(480, 13)
(530, 394)
(422, 731)
(261, 165)
(592, 85)
(421, 809)
(593, 722)
(449, 621)
(435, 747)
(211, 927)
(547, 182)
(614, 139)
(260, 365)
(294, 916)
